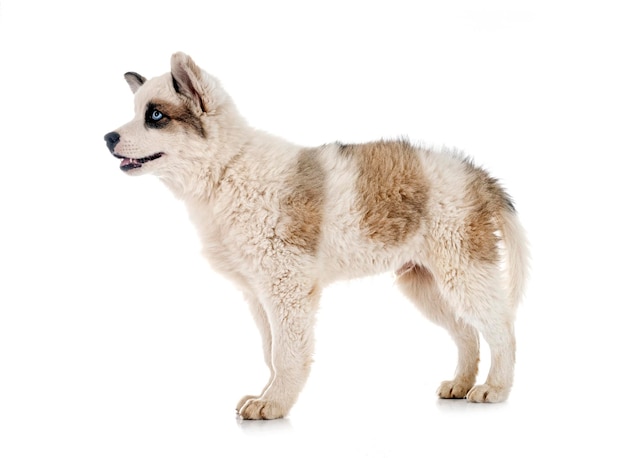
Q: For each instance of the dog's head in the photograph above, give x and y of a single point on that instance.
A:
(176, 120)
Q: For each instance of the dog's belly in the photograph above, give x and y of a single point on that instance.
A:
(348, 254)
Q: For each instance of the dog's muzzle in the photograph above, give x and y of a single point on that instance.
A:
(128, 163)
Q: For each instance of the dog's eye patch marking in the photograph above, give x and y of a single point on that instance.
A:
(160, 114)
(155, 118)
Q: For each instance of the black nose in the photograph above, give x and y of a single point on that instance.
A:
(112, 139)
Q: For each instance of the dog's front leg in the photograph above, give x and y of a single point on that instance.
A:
(290, 310)
(262, 322)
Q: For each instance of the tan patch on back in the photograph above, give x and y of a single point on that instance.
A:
(488, 200)
(303, 202)
(480, 236)
(391, 187)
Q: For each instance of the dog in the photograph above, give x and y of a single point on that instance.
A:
(282, 221)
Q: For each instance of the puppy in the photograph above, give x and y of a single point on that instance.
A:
(282, 221)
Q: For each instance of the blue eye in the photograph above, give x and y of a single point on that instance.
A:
(154, 118)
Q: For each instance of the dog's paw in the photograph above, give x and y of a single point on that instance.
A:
(454, 389)
(487, 393)
(243, 401)
(261, 409)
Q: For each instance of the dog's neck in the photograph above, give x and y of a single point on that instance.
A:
(200, 181)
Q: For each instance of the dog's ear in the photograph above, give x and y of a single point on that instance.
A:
(188, 80)
(134, 80)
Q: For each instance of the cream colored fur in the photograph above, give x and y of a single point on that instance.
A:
(283, 221)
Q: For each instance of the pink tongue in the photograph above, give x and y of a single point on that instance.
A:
(125, 161)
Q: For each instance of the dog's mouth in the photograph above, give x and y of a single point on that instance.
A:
(129, 163)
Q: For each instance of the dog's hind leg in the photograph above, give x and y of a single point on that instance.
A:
(477, 294)
(262, 322)
(419, 285)
(290, 309)
(501, 339)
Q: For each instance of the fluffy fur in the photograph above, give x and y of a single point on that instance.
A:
(283, 221)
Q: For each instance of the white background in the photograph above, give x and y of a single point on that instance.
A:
(117, 339)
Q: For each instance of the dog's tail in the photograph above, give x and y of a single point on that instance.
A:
(517, 255)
